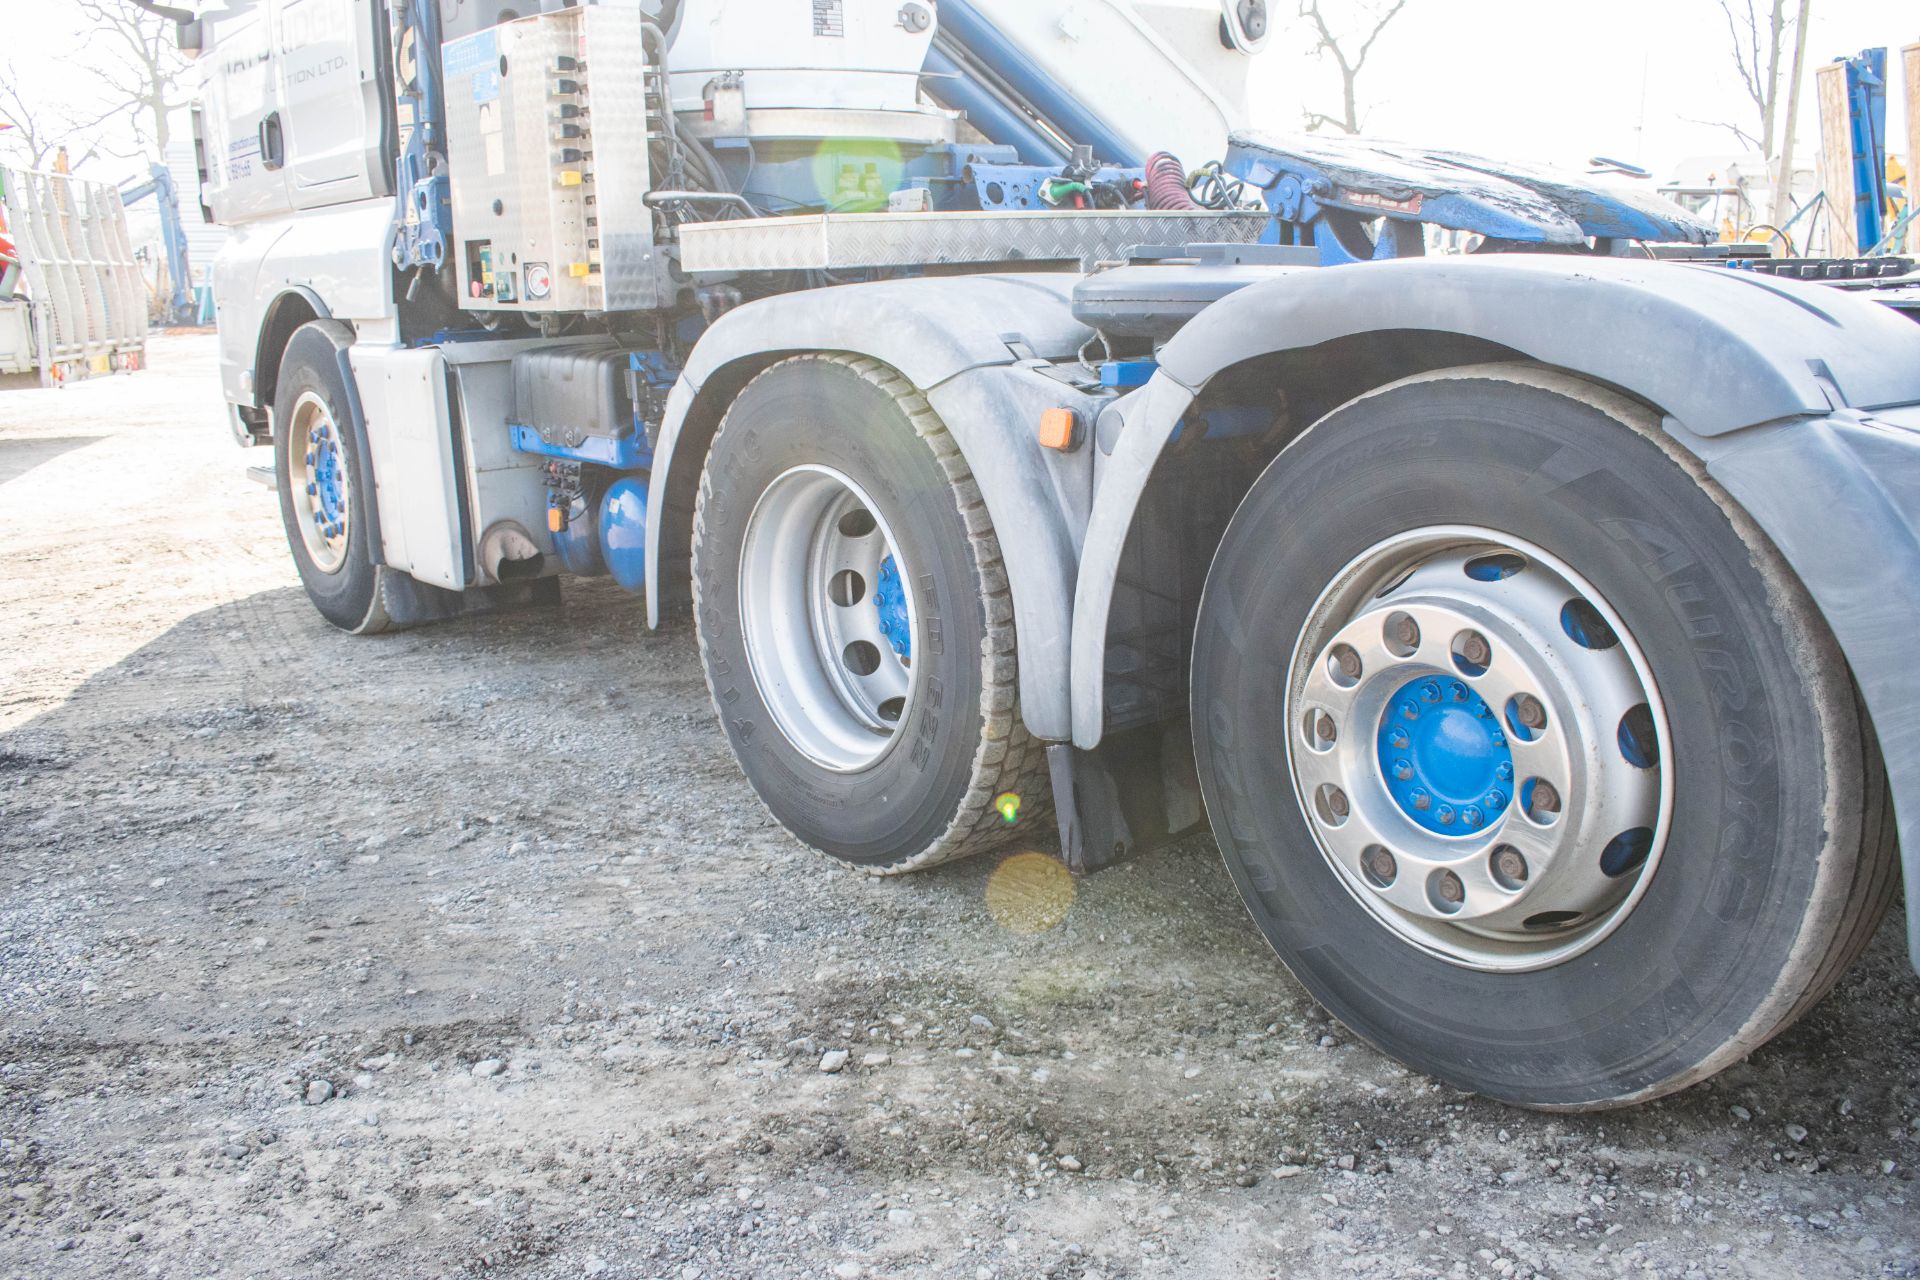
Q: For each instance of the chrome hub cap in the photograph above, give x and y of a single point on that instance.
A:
(1480, 748)
(319, 466)
(828, 617)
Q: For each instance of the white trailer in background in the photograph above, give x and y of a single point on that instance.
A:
(79, 306)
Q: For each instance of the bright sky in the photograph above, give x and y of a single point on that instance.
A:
(1556, 82)
(1543, 80)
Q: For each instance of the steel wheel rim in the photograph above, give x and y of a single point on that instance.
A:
(322, 501)
(1375, 754)
(827, 617)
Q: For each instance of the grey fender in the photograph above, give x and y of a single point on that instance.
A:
(971, 345)
(1717, 349)
(1840, 497)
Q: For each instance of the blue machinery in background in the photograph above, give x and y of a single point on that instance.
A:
(182, 307)
(1867, 143)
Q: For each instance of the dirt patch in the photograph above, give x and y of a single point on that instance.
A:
(468, 952)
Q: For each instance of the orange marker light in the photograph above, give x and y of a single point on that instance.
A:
(1059, 429)
(556, 520)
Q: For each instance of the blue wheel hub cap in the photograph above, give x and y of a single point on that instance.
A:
(890, 600)
(326, 462)
(1444, 757)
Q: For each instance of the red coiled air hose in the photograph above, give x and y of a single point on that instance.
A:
(1167, 183)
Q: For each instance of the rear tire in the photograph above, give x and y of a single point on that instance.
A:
(855, 623)
(1774, 855)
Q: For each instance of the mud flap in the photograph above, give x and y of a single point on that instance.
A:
(1136, 791)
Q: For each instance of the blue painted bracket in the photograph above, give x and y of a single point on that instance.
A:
(1330, 192)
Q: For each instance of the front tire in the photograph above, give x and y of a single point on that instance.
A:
(1480, 577)
(323, 480)
(855, 623)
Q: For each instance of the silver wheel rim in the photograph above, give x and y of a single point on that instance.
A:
(322, 500)
(1432, 660)
(827, 617)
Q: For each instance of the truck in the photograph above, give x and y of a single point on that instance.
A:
(1038, 450)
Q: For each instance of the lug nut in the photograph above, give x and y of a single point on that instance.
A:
(1348, 661)
(1545, 798)
(1379, 866)
(1324, 727)
(1406, 631)
(1476, 650)
(1337, 802)
(1509, 866)
(1529, 712)
(1450, 889)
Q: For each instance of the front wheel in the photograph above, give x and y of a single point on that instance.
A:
(1528, 754)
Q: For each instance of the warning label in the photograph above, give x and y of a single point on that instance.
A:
(828, 19)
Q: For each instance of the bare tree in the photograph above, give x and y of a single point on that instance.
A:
(1347, 57)
(39, 129)
(139, 65)
(1758, 37)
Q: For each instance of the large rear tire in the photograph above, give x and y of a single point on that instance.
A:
(1529, 755)
(855, 623)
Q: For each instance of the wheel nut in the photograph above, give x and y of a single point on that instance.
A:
(1348, 661)
(1337, 802)
(1421, 800)
(1450, 889)
(1545, 798)
(1379, 866)
(1406, 632)
(1510, 866)
(1324, 727)
(1530, 713)
(1476, 650)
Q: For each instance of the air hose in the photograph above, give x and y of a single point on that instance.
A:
(1167, 183)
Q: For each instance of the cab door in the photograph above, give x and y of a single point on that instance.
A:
(333, 95)
(242, 126)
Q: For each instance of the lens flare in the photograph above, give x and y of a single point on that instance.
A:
(1029, 893)
(1008, 804)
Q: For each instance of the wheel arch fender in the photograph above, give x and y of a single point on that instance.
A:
(960, 342)
(1717, 350)
(292, 307)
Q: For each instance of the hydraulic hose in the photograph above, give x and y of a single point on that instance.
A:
(1167, 183)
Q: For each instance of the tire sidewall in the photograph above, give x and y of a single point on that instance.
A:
(1697, 961)
(818, 411)
(311, 365)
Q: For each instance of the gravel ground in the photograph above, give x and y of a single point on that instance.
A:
(467, 951)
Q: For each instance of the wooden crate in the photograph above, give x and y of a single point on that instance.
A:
(1910, 60)
(1836, 158)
